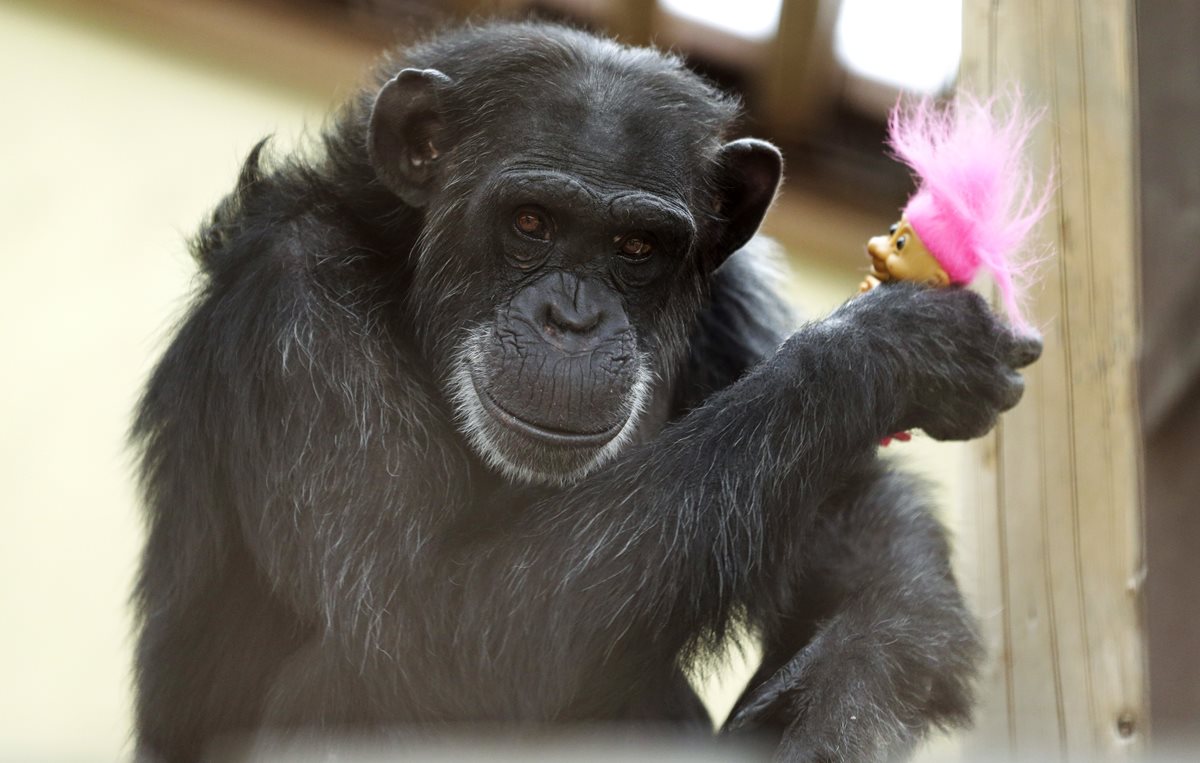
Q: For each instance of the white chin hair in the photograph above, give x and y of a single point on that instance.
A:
(474, 420)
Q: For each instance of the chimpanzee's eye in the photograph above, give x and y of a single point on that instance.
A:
(635, 246)
(900, 242)
(532, 223)
(892, 230)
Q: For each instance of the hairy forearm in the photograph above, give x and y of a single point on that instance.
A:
(782, 437)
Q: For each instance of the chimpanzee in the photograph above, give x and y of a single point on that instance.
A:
(485, 412)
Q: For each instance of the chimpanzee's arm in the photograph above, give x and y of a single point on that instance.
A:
(704, 523)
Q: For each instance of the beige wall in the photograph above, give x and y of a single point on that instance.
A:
(112, 152)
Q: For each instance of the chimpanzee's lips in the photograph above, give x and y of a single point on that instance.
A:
(554, 437)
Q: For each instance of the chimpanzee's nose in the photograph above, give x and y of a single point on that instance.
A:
(571, 313)
(572, 317)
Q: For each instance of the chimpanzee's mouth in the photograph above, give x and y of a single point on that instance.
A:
(556, 437)
(525, 446)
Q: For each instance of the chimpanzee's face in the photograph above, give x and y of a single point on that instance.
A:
(563, 270)
(584, 268)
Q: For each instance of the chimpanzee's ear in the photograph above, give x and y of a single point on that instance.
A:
(405, 138)
(749, 176)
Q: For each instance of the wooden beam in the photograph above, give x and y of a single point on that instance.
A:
(300, 49)
(1053, 547)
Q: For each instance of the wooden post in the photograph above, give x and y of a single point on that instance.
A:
(1052, 548)
(800, 72)
(1169, 108)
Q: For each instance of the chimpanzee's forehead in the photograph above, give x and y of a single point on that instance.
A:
(608, 145)
(614, 166)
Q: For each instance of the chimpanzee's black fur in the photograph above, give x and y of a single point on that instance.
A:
(334, 545)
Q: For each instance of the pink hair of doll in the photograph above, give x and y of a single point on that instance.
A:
(974, 204)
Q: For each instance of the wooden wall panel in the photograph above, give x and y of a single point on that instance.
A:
(1053, 551)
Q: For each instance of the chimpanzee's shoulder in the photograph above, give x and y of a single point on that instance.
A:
(745, 320)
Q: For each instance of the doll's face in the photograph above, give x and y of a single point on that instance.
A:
(902, 256)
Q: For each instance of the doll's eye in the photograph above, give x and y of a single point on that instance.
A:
(900, 242)
(895, 227)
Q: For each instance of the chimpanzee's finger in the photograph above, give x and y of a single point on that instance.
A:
(1025, 349)
(1011, 392)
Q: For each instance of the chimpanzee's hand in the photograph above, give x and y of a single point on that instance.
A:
(951, 362)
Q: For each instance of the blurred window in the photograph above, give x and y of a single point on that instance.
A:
(751, 19)
(913, 46)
